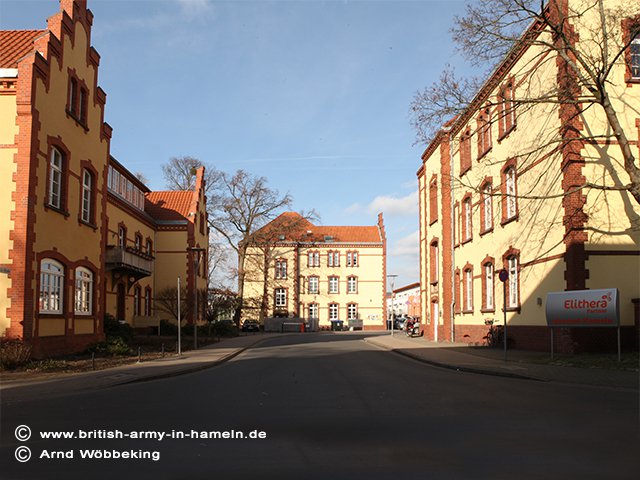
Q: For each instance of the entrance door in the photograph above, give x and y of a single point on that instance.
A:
(120, 301)
(435, 319)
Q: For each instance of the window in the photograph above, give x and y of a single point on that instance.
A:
(467, 219)
(334, 284)
(434, 262)
(313, 259)
(281, 269)
(84, 105)
(509, 194)
(122, 236)
(55, 178)
(147, 301)
(281, 298)
(313, 285)
(149, 247)
(333, 311)
(456, 291)
(352, 259)
(634, 60)
(333, 259)
(136, 300)
(87, 197)
(487, 208)
(507, 109)
(72, 106)
(352, 285)
(138, 242)
(465, 151)
(468, 289)
(433, 200)
(51, 286)
(352, 311)
(313, 310)
(484, 132)
(488, 286)
(513, 282)
(84, 291)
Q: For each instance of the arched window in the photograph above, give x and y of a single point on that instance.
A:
(84, 291)
(512, 267)
(468, 289)
(510, 200)
(51, 286)
(55, 178)
(488, 300)
(87, 197)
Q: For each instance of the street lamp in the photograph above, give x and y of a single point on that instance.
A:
(196, 251)
(392, 277)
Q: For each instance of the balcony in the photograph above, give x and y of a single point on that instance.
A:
(128, 263)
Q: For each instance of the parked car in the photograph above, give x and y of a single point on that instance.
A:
(399, 323)
(250, 326)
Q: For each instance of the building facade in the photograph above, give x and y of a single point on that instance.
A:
(405, 301)
(501, 187)
(297, 269)
(81, 237)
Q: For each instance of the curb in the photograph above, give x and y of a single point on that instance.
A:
(195, 369)
(457, 368)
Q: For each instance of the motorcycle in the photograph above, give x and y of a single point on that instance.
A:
(413, 329)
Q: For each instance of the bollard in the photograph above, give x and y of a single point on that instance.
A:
(139, 355)
(163, 350)
(93, 360)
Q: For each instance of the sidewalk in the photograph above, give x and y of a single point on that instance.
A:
(463, 358)
(190, 361)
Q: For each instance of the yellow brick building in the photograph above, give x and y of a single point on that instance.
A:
(496, 193)
(297, 269)
(80, 236)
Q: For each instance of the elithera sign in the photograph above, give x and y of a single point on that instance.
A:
(583, 308)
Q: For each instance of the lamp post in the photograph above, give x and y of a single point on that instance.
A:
(392, 277)
(196, 263)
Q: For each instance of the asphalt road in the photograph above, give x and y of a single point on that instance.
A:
(330, 407)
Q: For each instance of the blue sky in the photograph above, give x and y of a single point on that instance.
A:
(313, 95)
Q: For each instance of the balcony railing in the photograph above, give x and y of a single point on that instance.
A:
(122, 258)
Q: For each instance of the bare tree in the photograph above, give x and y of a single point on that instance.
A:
(180, 174)
(240, 205)
(490, 34)
(166, 300)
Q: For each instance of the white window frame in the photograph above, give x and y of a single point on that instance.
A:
(147, 302)
(352, 311)
(314, 259)
(84, 291)
(281, 298)
(334, 311)
(51, 286)
(489, 286)
(512, 268)
(313, 285)
(510, 191)
(634, 52)
(281, 269)
(468, 289)
(87, 189)
(313, 310)
(334, 284)
(352, 284)
(55, 178)
(488, 207)
(468, 219)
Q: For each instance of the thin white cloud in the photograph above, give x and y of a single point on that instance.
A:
(354, 208)
(403, 206)
(407, 246)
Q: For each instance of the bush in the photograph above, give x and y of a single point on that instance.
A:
(168, 328)
(223, 329)
(14, 353)
(115, 328)
(111, 346)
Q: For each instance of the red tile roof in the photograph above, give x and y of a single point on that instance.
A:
(15, 44)
(169, 205)
(293, 227)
